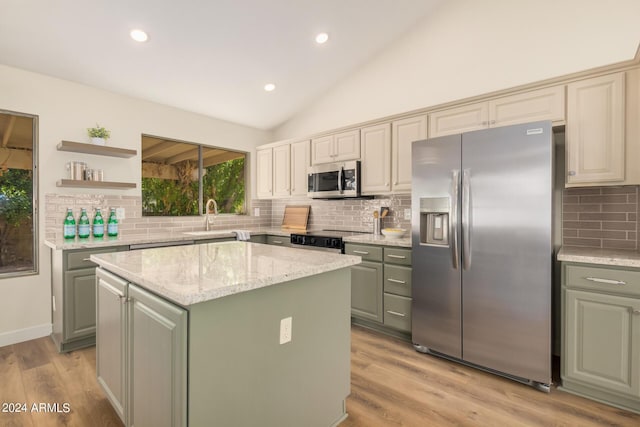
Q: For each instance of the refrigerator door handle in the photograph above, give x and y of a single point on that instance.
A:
(466, 219)
(453, 217)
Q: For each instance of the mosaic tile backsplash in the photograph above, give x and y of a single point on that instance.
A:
(600, 217)
(134, 223)
(352, 215)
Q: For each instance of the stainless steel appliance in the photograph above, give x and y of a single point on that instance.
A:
(334, 180)
(483, 249)
(327, 240)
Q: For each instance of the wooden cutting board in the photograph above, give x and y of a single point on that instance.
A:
(296, 217)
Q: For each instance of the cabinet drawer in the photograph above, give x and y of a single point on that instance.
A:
(397, 312)
(397, 256)
(80, 259)
(278, 240)
(368, 253)
(625, 282)
(397, 280)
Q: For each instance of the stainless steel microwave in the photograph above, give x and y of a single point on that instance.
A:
(334, 180)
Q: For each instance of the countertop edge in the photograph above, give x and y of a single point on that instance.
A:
(344, 261)
(606, 257)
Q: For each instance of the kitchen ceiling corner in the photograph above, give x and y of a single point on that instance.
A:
(207, 57)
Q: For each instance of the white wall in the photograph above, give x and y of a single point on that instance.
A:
(65, 110)
(470, 47)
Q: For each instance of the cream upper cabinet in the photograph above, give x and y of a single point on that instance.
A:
(322, 149)
(300, 161)
(336, 147)
(403, 133)
(264, 173)
(376, 159)
(460, 119)
(542, 104)
(595, 139)
(281, 171)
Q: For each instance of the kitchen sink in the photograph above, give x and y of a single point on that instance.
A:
(208, 233)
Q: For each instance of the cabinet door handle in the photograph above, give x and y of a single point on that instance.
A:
(277, 242)
(636, 312)
(361, 252)
(86, 259)
(607, 281)
(396, 256)
(484, 123)
(571, 173)
(124, 299)
(402, 282)
(395, 313)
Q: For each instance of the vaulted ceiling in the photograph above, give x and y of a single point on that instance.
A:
(210, 57)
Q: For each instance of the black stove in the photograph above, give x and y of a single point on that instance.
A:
(329, 239)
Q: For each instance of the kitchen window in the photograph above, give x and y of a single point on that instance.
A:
(18, 194)
(179, 177)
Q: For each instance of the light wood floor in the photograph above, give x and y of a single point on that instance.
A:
(391, 385)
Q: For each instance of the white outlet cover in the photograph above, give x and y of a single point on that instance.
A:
(120, 214)
(256, 211)
(285, 330)
(407, 214)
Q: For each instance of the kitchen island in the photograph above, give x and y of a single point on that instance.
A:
(231, 333)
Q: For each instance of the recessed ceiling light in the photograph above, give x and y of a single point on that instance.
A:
(139, 35)
(322, 38)
(269, 87)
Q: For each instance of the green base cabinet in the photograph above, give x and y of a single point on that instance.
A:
(601, 334)
(73, 291)
(381, 288)
(366, 291)
(220, 362)
(141, 356)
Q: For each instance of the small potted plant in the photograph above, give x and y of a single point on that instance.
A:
(98, 135)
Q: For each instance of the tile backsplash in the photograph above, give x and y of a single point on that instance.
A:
(600, 217)
(348, 214)
(134, 223)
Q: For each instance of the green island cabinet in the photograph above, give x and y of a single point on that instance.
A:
(381, 288)
(219, 362)
(601, 333)
(73, 293)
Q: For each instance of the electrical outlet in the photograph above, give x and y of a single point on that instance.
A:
(120, 214)
(285, 330)
(256, 211)
(407, 214)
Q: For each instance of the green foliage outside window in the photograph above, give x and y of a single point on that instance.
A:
(223, 182)
(16, 208)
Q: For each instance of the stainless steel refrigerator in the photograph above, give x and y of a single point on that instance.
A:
(483, 249)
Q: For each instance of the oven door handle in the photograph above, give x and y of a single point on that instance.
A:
(340, 175)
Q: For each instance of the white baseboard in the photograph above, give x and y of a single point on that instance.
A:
(26, 334)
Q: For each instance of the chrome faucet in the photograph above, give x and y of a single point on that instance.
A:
(208, 220)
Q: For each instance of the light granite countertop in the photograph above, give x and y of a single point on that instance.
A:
(196, 273)
(618, 257)
(374, 239)
(167, 236)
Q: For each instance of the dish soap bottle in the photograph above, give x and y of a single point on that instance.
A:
(69, 229)
(112, 224)
(83, 225)
(98, 224)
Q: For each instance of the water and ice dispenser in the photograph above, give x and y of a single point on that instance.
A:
(434, 221)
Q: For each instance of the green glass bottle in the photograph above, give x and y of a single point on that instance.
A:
(69, 229)
(84, 227)
(98, 224)
(112, 224)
